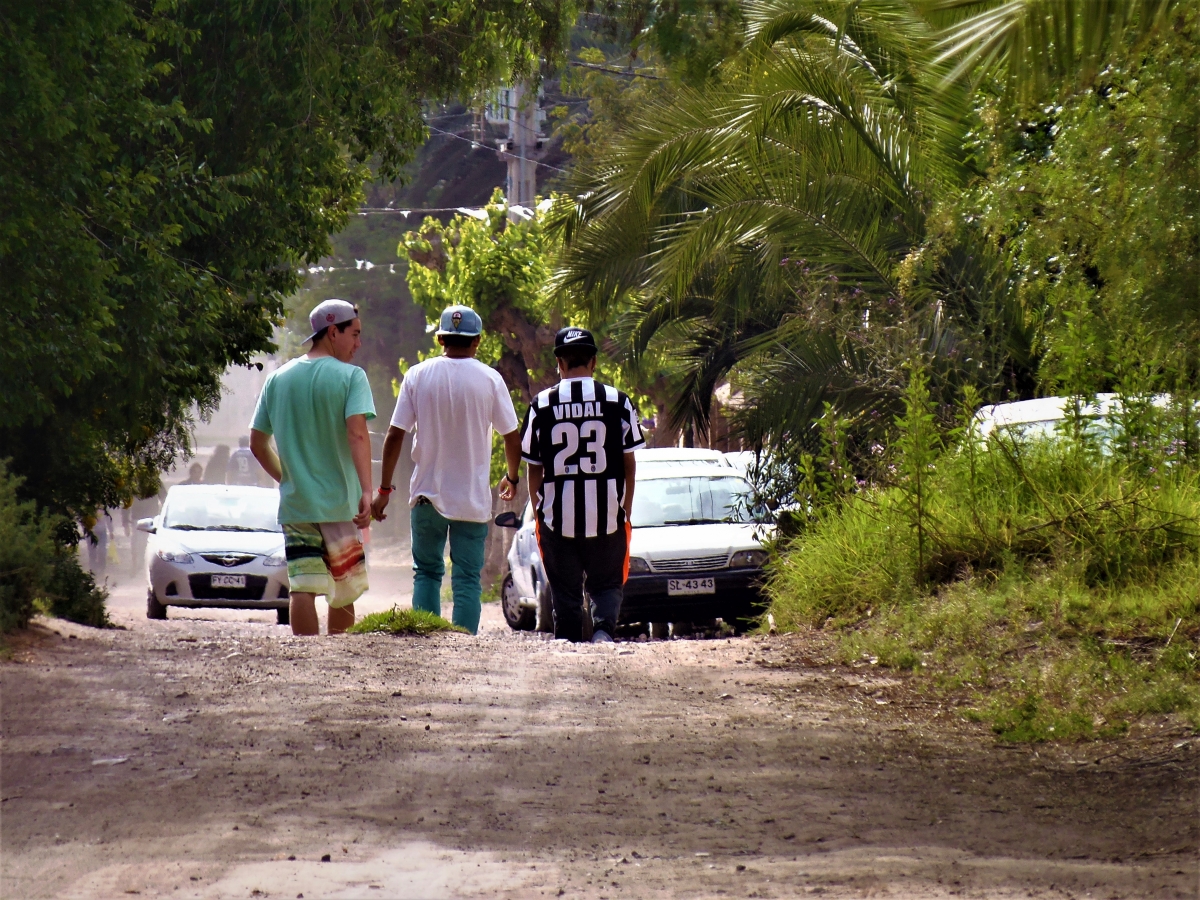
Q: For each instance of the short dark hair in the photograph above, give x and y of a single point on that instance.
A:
(575, 357)
(458, 341)
(341, 327)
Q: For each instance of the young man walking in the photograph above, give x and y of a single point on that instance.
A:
(317, 408)
(451, 403)
(578, 440)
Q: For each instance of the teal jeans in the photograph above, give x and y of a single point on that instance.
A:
(467, 543)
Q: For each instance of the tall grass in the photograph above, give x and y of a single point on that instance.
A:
(1058, 581)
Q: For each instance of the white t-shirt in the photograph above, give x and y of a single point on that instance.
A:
(451, 407)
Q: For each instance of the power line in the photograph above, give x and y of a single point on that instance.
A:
(459, 137)
(610, 70)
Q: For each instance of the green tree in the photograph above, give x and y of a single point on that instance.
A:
(164, 170)
(498, 263)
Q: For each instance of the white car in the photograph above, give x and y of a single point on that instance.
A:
(216, 545)
(653, 457)
(696, 553)
(1040, 418)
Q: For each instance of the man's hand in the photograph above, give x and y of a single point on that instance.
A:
(363, 519)
(379, 504)
(512, 460)
(508, 490)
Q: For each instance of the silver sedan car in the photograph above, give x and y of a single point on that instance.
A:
(216, 545)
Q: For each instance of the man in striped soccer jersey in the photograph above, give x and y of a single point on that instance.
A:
(578, 440)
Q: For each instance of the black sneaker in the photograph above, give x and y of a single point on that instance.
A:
(601, 637)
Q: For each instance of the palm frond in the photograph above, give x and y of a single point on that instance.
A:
(1038, 48)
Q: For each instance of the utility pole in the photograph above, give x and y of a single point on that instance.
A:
(519, 108)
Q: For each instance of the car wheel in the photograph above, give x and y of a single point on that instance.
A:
(283, 616)
(154, 609)
(545, 610)
(518, 618)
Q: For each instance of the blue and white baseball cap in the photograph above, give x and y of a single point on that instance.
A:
(460, 320)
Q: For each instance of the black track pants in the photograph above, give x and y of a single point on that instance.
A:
(602, 561)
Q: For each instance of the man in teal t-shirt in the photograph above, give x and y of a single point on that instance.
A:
(317, 408)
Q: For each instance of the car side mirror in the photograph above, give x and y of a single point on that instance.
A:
(146, 525)
(508, 520)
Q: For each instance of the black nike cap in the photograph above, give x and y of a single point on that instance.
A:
(571, 337)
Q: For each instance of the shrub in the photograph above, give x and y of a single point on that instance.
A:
(36, 574)
(71, 593)
(27, 552)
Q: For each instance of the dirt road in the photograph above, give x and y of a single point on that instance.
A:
(217, 756)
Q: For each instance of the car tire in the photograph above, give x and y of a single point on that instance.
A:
(283, 616)
(519, 618)
(154, 609)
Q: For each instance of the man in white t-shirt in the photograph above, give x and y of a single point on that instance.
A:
(451, 403)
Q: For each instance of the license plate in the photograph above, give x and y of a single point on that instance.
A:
(683, 586)
(229, 581)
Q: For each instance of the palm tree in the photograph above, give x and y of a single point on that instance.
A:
(828, 138)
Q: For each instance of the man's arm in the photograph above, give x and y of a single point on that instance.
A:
(360, 452)
(260, 446)
(393, 441)
(534, 474)
(512, 458)
(630, 473)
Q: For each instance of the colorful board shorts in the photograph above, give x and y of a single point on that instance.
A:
(326, 558)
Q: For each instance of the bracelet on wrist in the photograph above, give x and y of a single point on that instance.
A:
(386, 490)
(513, 481)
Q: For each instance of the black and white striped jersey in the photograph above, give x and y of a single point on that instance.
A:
(579, 432)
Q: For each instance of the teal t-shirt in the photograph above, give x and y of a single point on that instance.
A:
(305, 404)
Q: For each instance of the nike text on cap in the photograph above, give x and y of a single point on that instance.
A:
(331, 312)
(460, 320)
(571, 337)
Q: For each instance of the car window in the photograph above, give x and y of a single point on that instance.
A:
(240, 511)
(1053, 429)
(690, 500)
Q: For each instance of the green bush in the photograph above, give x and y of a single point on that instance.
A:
(27, 551)
(71, 593)
(37, 574)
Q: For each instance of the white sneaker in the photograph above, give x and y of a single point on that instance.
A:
(601, 637)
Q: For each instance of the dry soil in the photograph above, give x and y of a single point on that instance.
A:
(214, 755)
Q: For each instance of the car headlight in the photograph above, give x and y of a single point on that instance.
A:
(638, 566)
(748, 559)
(277, 560)
(168, 556)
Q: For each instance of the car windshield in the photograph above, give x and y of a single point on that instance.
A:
(251, 510)
(691, 500)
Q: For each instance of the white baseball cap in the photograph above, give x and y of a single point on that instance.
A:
(330, 312)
